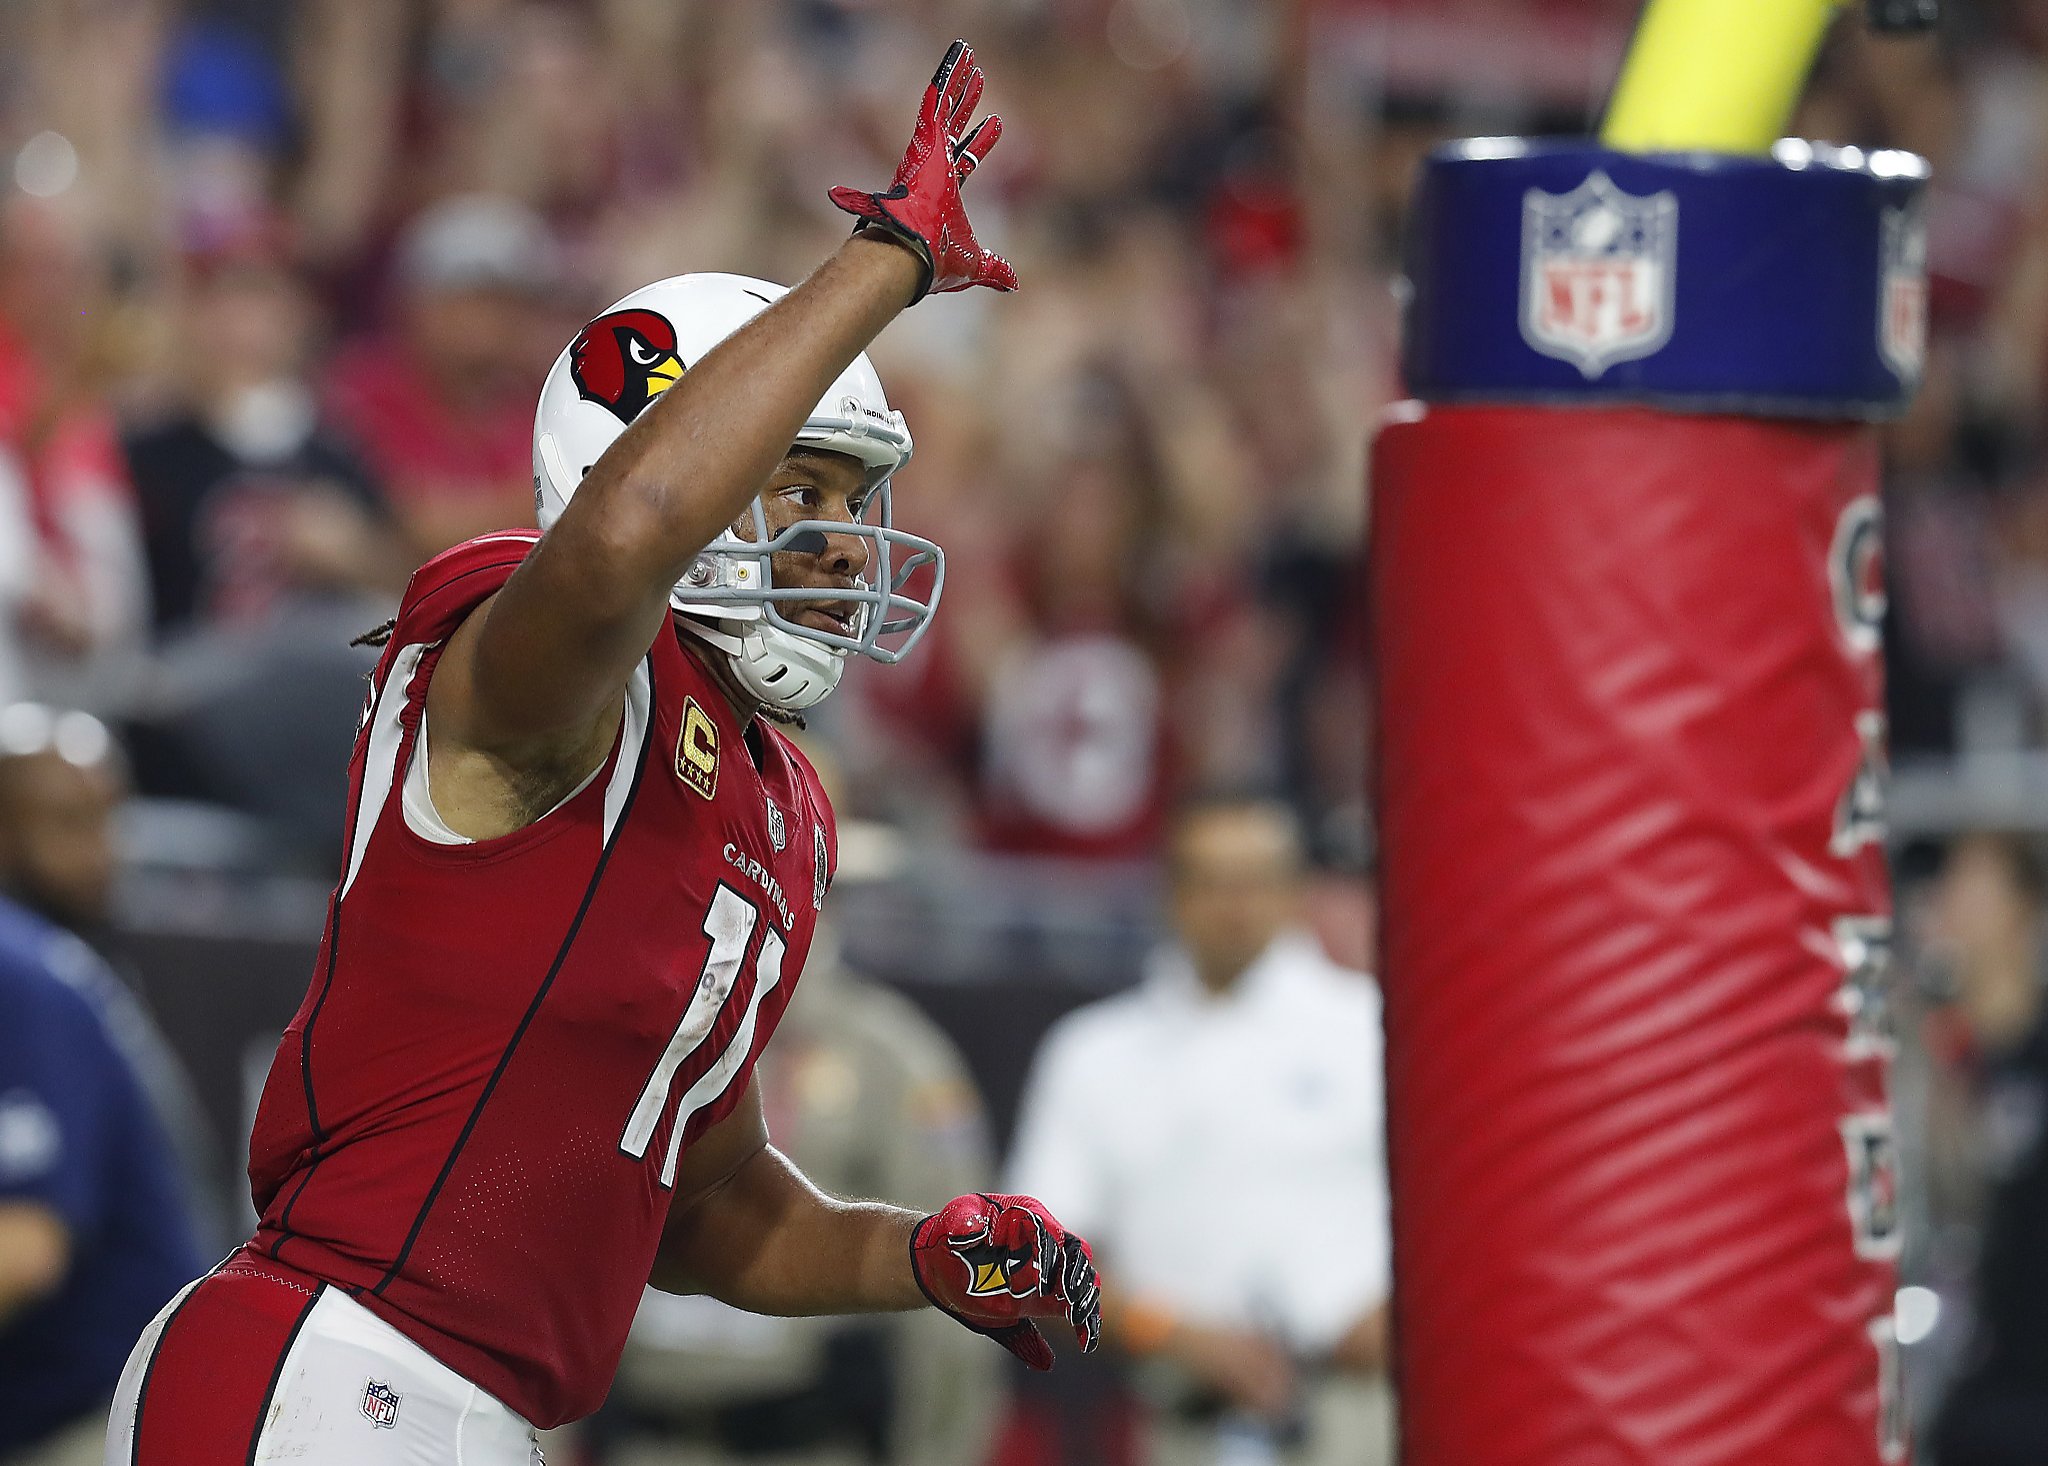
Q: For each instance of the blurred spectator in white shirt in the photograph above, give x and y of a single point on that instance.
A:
(1218, 1132)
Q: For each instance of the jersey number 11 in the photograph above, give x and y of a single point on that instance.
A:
(729, 924)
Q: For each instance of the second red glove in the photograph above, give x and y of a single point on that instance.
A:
(996, 1262)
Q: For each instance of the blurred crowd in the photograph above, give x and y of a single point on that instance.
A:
(278, 284)
(279, 281)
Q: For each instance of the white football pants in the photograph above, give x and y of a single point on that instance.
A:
(350, 1390)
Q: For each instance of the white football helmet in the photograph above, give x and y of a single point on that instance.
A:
(633, 353)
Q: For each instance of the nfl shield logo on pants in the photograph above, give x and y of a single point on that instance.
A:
(380, 1403)
(1599, 268)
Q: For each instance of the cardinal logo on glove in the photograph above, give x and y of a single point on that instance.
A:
(993, 1269)
(1019, 1264)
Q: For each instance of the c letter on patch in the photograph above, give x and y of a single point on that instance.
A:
(697, 750)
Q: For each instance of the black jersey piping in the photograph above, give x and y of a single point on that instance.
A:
(355, 804)
(284, 1218)
(540, 996)
(320, 1002)
(277, 1373)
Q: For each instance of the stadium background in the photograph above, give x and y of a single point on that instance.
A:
(1146, 467)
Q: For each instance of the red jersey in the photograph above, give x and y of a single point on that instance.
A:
(473, 1123)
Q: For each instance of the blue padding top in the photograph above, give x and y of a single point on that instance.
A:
(1794, 285)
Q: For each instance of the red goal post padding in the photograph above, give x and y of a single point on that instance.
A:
(1635, 921)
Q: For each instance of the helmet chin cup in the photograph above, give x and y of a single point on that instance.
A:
(783, 672)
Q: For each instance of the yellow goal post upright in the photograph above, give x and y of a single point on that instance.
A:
(1718, 76)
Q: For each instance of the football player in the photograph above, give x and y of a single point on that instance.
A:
(582, 869)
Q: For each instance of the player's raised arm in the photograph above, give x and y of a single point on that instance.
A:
(541, 667)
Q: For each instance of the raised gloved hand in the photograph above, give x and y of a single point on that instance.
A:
(922, 207)
(997, 1262)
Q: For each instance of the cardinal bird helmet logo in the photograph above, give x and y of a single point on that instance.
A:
(624, 361)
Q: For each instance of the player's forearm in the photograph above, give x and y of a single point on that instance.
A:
(837, 1257)
(770, 1242)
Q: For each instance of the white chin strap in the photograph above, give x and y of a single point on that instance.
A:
(786, 673)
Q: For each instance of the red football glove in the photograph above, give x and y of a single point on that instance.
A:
(922, 205)
(997, 1262)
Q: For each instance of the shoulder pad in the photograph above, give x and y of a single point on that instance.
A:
(448, 587)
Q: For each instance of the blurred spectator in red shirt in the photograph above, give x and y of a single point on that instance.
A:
(442, 406)
(1074, 743)
(59, 343)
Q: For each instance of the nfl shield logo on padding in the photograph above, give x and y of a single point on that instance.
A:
(1902, 320)
(380, 1403)
(1599, 268)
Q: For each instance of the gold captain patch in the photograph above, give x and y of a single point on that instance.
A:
(697, 750)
